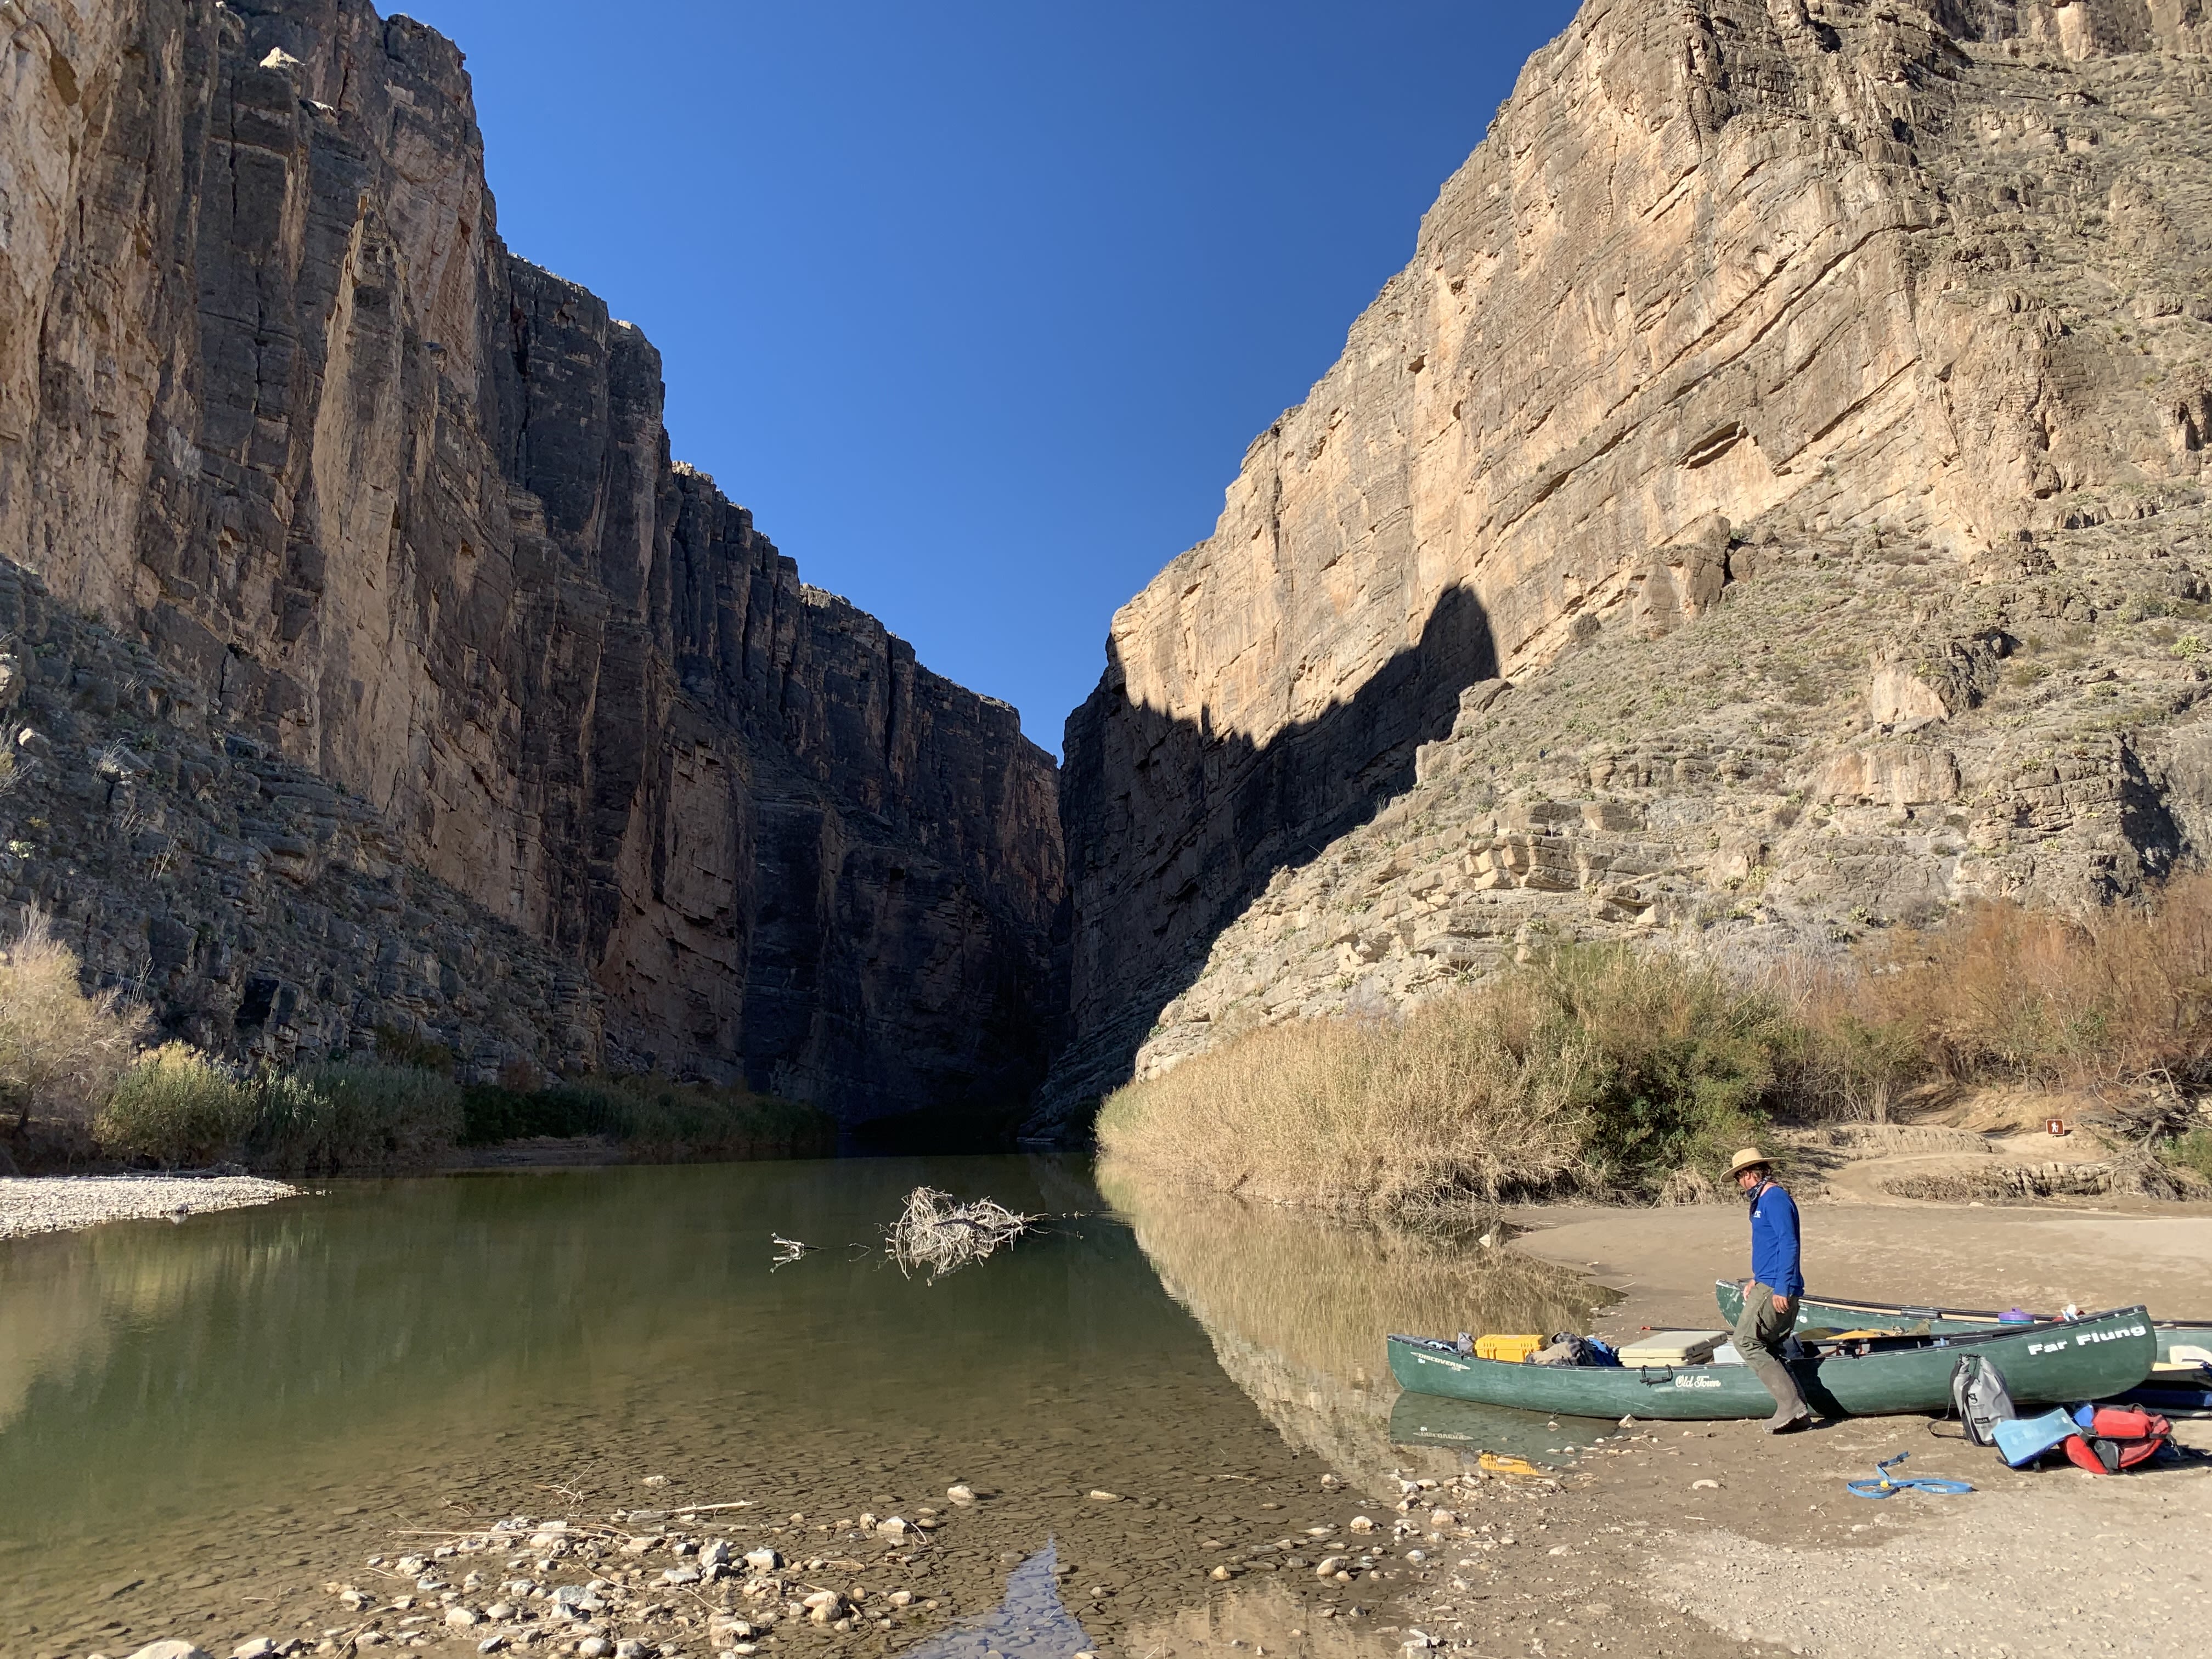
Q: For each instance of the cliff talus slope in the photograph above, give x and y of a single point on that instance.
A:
(275, 398)
(1783, 402)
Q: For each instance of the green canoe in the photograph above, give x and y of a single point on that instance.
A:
(2043, 1365)
(2180, 1341)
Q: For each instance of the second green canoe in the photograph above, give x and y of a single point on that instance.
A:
(2180, 1341)
(2043, 1365)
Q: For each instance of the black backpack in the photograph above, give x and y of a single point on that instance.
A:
(1979, 1395)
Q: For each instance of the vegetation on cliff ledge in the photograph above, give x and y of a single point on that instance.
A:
(1607, 1071)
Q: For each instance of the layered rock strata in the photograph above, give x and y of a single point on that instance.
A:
(275, 398)
(1823, 306)
(256, 910)
(1750, 786)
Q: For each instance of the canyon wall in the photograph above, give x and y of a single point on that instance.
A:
(1784, 402)
(276, 401)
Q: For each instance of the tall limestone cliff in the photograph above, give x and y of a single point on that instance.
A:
(1769, 504)
(276, 401)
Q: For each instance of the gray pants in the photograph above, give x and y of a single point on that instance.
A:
(1760, 1334)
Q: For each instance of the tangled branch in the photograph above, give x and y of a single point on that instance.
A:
(935, 1234)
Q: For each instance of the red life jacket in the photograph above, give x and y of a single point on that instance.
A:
(2118, 1438)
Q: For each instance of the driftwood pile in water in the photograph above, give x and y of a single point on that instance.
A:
(934, 1234)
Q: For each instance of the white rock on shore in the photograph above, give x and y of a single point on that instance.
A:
(56, 1204)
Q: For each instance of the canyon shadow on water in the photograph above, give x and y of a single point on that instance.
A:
(200, 1425)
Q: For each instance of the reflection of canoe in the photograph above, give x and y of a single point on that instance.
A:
(1429, 1420)
(2180, 1341)
(2043, 1365)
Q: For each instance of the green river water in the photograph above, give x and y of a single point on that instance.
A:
(201, 1426)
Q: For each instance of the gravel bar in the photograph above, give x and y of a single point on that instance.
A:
(58, 1204)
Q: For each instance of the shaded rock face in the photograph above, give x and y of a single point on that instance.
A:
(258, 910)
(274, 395)
(1734, 290)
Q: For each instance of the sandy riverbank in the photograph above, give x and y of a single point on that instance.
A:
(1665, 1260)
(60, 1204)
(1776, 1551)
(1709, 1538)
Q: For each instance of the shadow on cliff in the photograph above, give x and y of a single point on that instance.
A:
(1173, 829)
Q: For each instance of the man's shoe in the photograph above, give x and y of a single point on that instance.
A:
(1786, 1422)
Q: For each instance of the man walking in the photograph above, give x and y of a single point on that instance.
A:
(1770, 1300)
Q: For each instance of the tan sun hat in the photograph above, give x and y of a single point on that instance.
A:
(1749, 1158)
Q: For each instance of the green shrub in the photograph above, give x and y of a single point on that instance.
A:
(2191, 1151)
(1682, 1062)
(652, 1117)
(345, 1117)
(491, 1113)
(178, 1108)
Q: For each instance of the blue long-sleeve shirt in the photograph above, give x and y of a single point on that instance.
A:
(1774, 1241)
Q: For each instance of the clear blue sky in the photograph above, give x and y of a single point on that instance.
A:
(976, 305)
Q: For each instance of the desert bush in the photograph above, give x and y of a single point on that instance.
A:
(2191, 1151)
(1853, 1053)
(2003, 994)
(1593, 1068)
(652, 1117)
(1599, 1070)
(176, 1106)
(349, 1118)
(61, 1051)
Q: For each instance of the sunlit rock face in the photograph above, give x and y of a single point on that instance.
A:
(1732, 290)
(275, 398)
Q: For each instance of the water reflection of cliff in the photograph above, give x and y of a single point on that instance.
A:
(64, 1297)
(1297, 1306)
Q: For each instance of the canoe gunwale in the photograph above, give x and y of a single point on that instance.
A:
(1974, 1315)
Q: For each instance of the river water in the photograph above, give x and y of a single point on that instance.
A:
(201, 1426)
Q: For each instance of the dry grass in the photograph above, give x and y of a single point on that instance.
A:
(2006, 992)
(2003, 994)
(61, 1050)
(1593, 1069)
(1599, 1071)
